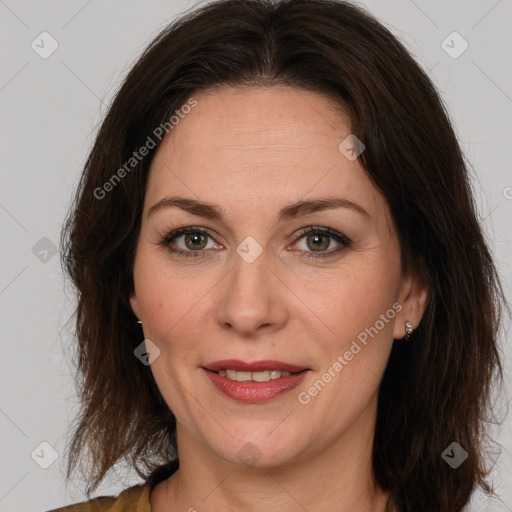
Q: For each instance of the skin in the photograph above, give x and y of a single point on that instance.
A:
(252, 151)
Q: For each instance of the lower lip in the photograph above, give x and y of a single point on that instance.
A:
(254, 392)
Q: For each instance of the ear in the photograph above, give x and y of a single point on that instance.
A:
(134, 304)
(413, 297)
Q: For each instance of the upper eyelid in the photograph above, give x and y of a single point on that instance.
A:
(180, 231)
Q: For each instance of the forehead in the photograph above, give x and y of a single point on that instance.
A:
(261, 122)
(261, 142)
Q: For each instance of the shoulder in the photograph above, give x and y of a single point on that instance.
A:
(133, 499)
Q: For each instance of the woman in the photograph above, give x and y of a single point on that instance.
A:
(277, 197)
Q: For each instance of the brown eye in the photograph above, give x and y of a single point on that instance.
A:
(188, 242)
(318, 239)
(193, 241)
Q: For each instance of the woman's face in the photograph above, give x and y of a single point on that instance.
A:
(259, 279)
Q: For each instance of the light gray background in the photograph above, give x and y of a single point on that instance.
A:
(50, 112)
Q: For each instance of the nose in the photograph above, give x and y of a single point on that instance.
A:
(253, 298)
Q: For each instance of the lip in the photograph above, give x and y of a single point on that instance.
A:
(255, 392)
(254, 366)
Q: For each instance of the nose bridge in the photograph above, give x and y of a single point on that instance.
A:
(250, 299)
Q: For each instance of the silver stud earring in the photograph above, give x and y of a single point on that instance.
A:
(139, 322)
(408, 330)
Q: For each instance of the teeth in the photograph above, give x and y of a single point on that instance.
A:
(264, 376)
(241, 376)
(261, 376)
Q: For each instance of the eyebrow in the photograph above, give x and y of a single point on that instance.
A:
(298, 209)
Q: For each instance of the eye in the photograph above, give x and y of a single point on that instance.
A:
(194, 242)
(319, 239)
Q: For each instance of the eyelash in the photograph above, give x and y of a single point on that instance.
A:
(344, 241)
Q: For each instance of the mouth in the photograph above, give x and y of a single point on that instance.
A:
(263, 376)
(256, 381)
(257, 371)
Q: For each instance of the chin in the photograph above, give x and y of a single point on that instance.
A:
(258, 454)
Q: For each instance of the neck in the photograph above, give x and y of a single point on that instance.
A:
(339, 477)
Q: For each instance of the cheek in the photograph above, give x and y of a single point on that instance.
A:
(172, 305)
(358, 309)
(351, 301)
(170, 302)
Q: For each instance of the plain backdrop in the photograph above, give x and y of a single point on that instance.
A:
(51, 106)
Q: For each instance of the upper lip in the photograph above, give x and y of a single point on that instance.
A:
(253, 366)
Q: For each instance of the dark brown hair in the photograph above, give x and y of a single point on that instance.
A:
(437, 388)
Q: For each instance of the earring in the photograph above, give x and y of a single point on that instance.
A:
(408, 330)
(139, 322)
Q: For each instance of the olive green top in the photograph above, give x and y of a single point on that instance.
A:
(132, 499)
